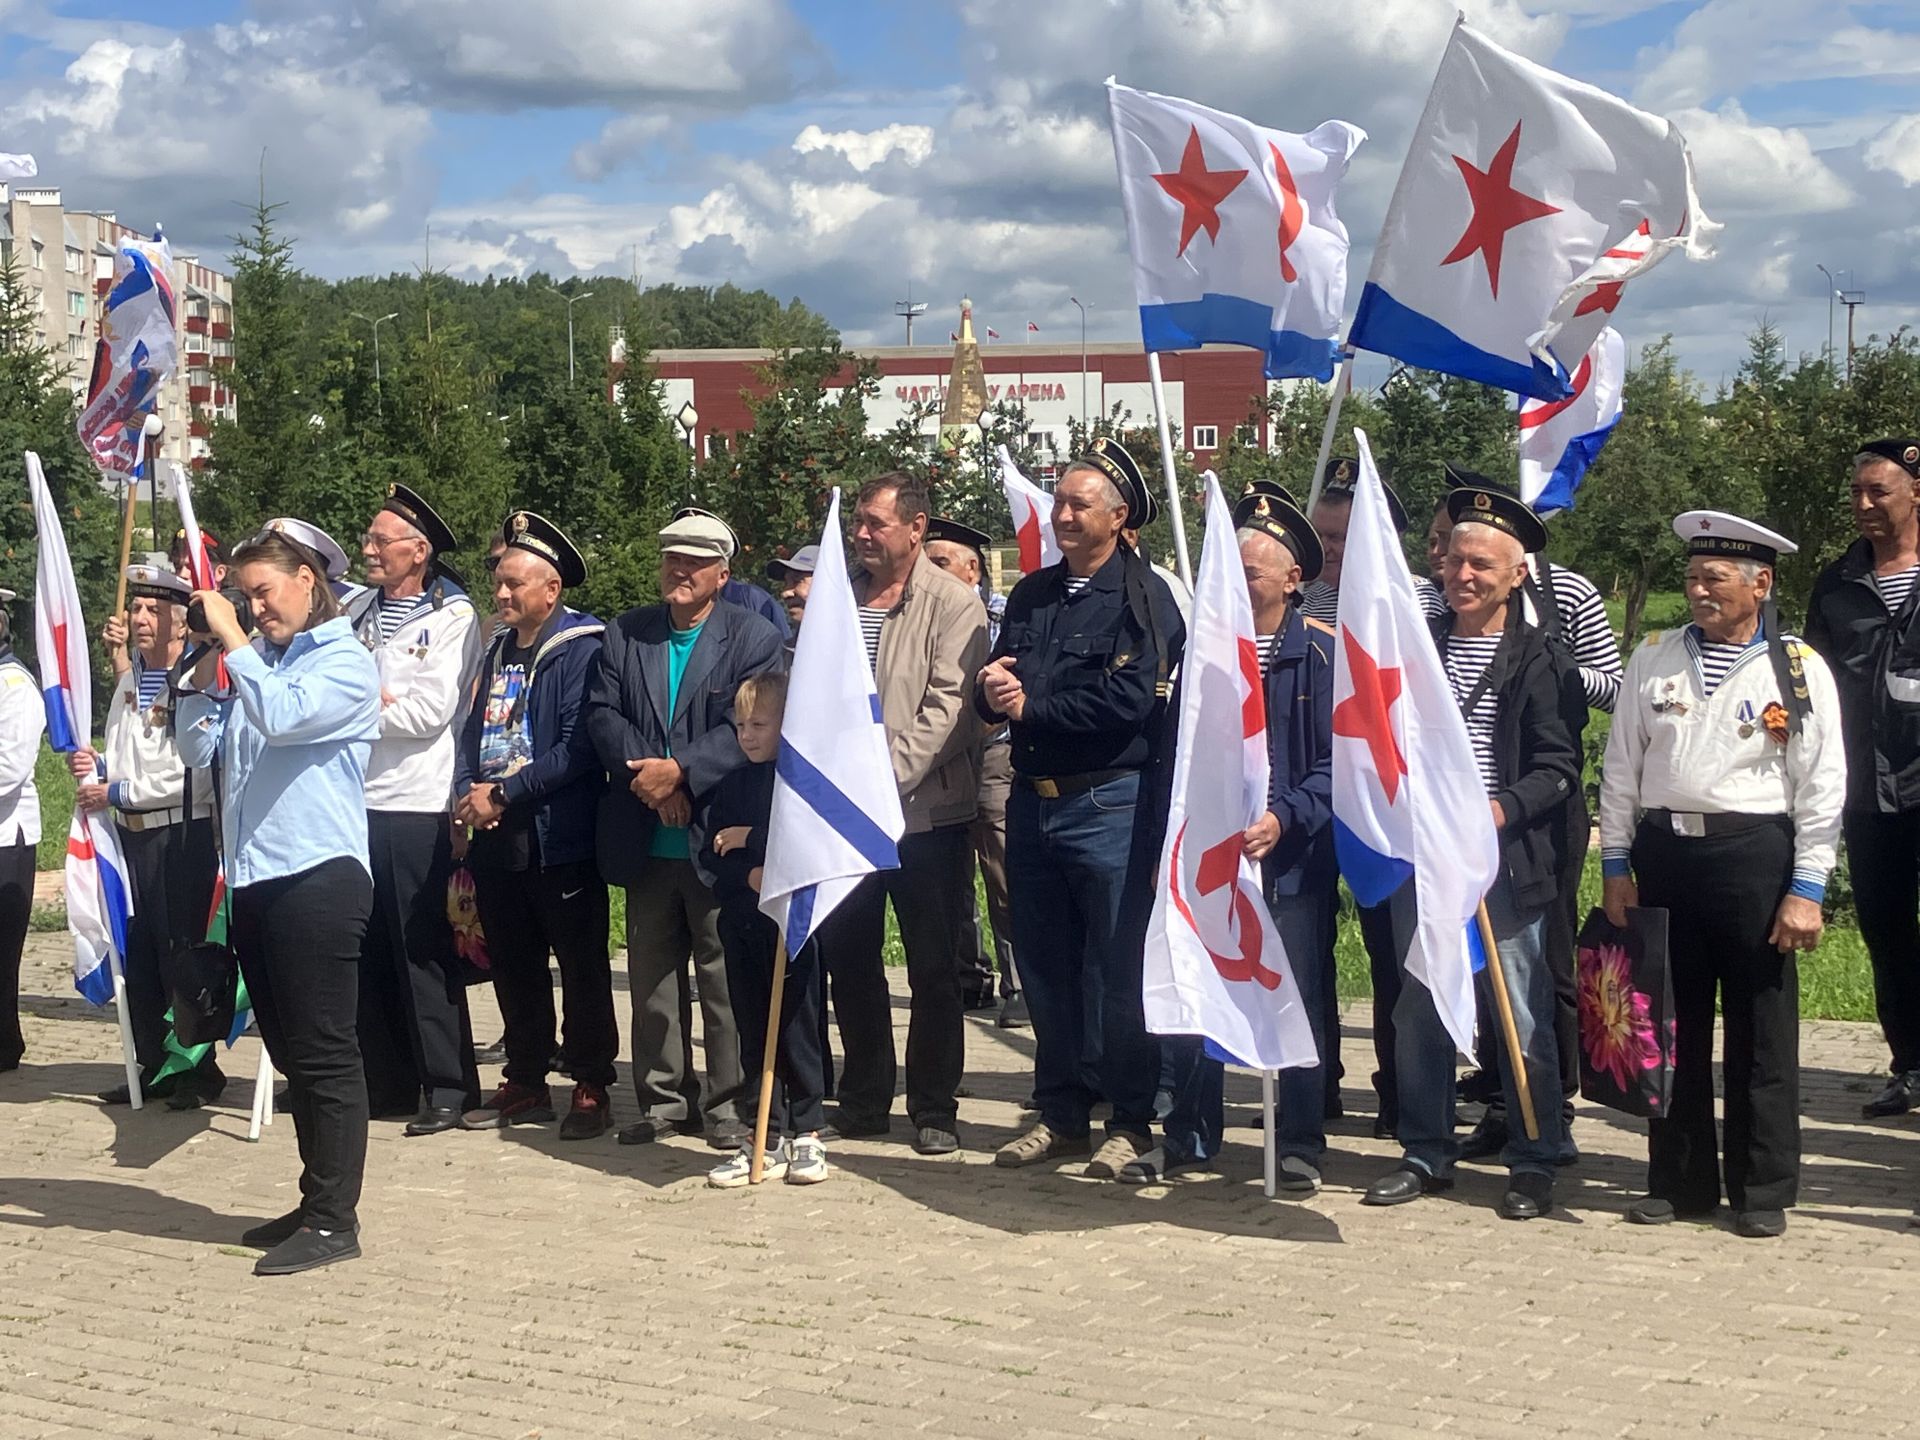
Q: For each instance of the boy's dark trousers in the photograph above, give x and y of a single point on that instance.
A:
(751, 942)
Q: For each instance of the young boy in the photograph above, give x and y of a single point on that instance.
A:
(730, 848)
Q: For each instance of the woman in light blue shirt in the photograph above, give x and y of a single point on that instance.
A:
(292, 736)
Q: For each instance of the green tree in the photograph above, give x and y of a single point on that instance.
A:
(37, 413)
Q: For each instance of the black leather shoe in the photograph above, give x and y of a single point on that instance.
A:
(1013, 1013)
(1487, 1139)
(1902, 1093)
(272, 1232)
(121, 1095)
(433, 1119)
(729, 1134)
(940, 1139)
(494, 1054)
(1386, 1127)
(1397, 1187)
(1528, 1197)
(848, 1126)
(309, 1250)
(1760, 1224)
(650, 1128)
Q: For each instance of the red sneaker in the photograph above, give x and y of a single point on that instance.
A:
(511, 1104)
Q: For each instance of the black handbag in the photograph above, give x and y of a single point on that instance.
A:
(201, 976)
(1625, 990)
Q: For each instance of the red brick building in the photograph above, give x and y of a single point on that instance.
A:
(1210, 392)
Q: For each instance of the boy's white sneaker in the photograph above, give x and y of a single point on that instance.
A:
(737, 1170)
(806, 1160)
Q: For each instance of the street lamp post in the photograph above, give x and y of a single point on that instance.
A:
(571, 301)
(1833, 288)
(1083, 359)
(985, 422)
(686, 418)
(379, 401)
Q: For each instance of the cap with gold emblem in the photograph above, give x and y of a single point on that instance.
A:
(1343, 473)
(538, 535)
(312, 538)
(1269, 509)
(408, 505)
(1902, 451)
(154, 580)
(1714, 532)
(1489, 504)
(1116, 462)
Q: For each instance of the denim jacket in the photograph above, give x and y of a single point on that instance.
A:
(293, 739)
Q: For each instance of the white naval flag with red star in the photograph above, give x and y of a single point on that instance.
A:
(1214, 964)
(1527, 202)
(1408, 800)
(1234, 234)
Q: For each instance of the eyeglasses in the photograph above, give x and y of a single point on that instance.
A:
(381, 542)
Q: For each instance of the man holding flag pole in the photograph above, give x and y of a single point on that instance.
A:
(1247, 824)
(836, 816)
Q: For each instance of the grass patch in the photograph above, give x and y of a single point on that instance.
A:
(55, 783)
(1836, 980)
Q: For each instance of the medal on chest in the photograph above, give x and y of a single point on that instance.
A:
(1746, 717)
(1669, 702)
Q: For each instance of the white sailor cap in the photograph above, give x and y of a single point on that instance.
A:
(156, 582)
(315, 539)
(1714, 532)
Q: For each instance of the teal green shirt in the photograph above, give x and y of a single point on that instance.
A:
(670, 841)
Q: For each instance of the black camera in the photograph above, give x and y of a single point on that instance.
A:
(242, 610)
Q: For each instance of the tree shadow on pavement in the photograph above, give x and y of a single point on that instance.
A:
(140, 1138)
(107, 1206)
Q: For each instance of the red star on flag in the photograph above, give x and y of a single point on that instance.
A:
(1497, 208)
(1199, 191)
(1366, 714)
(1606, 295)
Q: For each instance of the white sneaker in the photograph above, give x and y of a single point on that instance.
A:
(807, 1160)
(737, 1170)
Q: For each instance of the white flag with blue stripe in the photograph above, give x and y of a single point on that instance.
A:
(99, 895)
(836, 806)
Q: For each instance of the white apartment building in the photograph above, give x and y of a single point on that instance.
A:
(66, 258)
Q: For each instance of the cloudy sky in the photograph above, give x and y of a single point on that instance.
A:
(840, 150)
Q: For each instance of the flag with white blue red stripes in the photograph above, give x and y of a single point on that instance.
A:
(836, 807)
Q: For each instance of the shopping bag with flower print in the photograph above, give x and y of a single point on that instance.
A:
(469, 941)
(1626, 1012)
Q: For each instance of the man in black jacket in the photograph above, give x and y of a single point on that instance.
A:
(1861, 622)
(660, 715)
(1510, 694)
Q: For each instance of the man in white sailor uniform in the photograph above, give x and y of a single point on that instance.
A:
(1721, 804)
(416, 1039)
(164, 815)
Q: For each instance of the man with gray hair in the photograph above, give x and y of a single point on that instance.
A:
(1509, 692)
(660, 716)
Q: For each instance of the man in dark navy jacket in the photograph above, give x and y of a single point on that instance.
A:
(1081, 672)
(527, 781)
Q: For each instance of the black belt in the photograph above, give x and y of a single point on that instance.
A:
(1052, 787)
(1696, 825)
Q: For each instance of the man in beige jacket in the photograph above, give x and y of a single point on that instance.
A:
(926, 636)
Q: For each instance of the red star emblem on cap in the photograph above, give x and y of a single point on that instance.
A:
(1199, 191)
(1366, 714)
(1497, 208)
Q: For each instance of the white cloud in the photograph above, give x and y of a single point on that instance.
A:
(1896, 149)
(1751, 169)
(865, 149)
(620, 141)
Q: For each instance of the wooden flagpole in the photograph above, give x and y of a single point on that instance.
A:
(768, 1052)
(1167, 470)
(1515, 1059)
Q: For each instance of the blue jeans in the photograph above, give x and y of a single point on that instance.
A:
(1080, 943)
(1425, 1056)
(1194, 1125)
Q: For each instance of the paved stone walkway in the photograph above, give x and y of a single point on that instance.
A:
(515, 1287)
